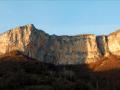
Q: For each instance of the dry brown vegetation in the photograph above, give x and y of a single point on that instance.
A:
(19, 72)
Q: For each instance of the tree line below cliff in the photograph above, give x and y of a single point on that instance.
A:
(18, 72)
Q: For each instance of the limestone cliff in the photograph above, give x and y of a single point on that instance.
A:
(114, 43)
(59, 49)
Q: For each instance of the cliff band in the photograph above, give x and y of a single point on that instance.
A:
(59, 49)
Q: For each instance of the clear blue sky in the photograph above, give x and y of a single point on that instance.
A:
(62, 17)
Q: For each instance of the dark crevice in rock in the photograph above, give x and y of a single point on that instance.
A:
(102, 44)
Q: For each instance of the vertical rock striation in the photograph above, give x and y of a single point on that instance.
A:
(102, 43)
(59, 49)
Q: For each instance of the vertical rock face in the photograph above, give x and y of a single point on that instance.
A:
(72, 49)
(59, 49)
(15, 39)
(114, 43)
(102, 43)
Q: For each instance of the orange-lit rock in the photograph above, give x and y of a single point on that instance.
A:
(59, 49)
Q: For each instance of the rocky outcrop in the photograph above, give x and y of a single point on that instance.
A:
(59, 49)
(114, 43)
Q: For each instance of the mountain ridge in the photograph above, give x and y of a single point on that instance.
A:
(37, 44)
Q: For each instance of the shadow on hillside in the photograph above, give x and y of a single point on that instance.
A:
(33, 75)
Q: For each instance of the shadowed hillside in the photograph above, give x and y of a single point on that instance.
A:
(19, 72)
